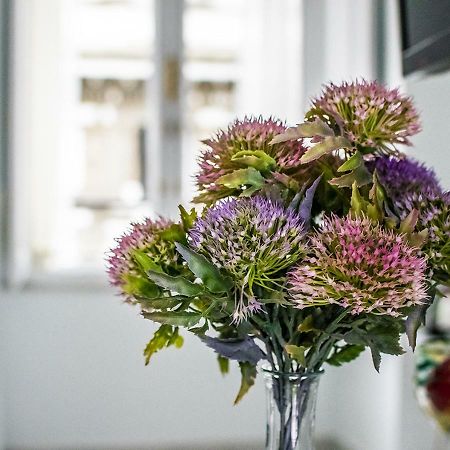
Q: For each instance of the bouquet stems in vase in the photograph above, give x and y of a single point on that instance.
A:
(309, 245)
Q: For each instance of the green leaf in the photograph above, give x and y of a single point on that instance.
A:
(175, 318)
(345, 354)
(174, 233)
(177, 284)
(415, 318)
(224, 364)
(307, 325)
(286, 181)
(316, 128)
(304, 130)
(255, 158)
(240, 177)
(296, 352)
(376, 356)
(165, 336)
(408, 224)
(145, 262)
(187, 218)
(328, 145)
(352, 163)
(358, 203)
(202, 268)
(361, 176)
(140, 287)
(161, 302)
(248, 376)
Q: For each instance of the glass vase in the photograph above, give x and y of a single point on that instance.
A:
(291, 407)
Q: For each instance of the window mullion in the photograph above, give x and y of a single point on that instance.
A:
(165, 153)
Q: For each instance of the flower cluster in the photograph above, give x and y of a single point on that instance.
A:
(251, 134)
(368, 114)
(434, 216)
(252, 239)
(401, 176)
(358, 265)
(124, 270)
(297, 237)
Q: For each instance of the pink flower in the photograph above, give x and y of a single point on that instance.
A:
(368, 114)
(218, 159)
(124, 271)
(357, 264)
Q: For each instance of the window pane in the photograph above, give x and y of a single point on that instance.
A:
(105, 70)
(213, 43)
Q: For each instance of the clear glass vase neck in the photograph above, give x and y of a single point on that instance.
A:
(290, 408)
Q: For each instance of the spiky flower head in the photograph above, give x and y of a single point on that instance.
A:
(434, 216)
(222, 154)
(368, 114)
(401, 176)
(254, 240)
(146, 237)
(357, 264)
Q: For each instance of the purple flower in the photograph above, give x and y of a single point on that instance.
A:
(404, 176)
(434, 216)
(358, 265)
(254, 240)
(250, 134)
(368, 114)
(124, 271)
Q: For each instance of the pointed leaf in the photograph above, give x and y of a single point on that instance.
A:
(360, 175)
(165, 336)
(187, 218)
(244, 350)
(345, 354)
(145, 262)
(352, 163)
(176, 318)
(174, 233)
(140, 287)
(408, 224)
(248, 376)
(307, 202)
(249, 176)
(304, 130)
(296, 352)
(328, 145)
(202, 268)
(358, 203)
(291, 134)
(376, 356)
(224, 364)
(255, 158)
(161, 302)
(286, 180)
(178, 284)
(316, 128)
(415, 318)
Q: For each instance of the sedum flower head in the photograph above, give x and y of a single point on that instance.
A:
(358, 265)
(402, 176)
(145, 237)
(248, 134)
(368, 114)
(434, 216)
(253, 239)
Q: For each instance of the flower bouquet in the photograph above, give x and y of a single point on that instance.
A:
(313, 243)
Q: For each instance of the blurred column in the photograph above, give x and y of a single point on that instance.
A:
(272, 60)
(165, 156)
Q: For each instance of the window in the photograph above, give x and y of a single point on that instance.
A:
(92, 117)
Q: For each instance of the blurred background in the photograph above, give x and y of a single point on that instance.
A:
(103, 104)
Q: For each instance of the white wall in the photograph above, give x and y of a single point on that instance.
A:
(75, 378)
